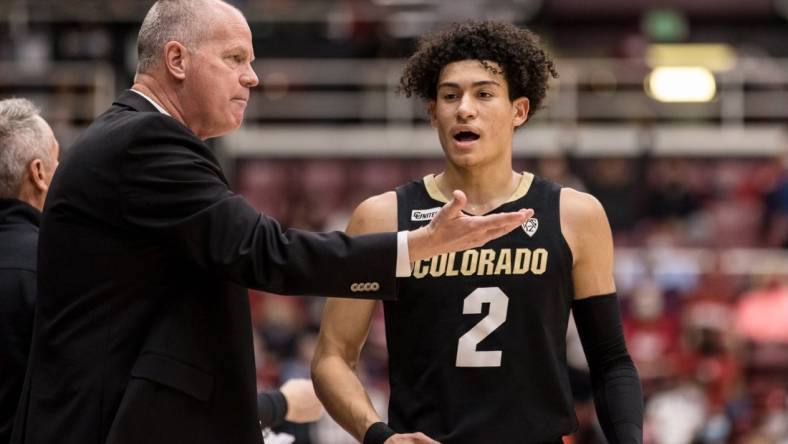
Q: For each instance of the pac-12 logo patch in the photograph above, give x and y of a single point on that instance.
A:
(427, 214)
(530, 226)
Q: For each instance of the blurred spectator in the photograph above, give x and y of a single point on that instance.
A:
(709, 340)
(775, 199)
(557, 168)
(266, 184)
(652, 334)
(676, 415)
(614, 182)
(668, 195)
(762, 313)
(85, 42)
(323, 190)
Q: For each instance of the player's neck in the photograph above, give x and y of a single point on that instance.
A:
(485, 188)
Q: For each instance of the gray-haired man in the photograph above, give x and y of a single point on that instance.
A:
(28, 158)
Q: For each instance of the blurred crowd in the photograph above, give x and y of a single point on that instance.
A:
(705, 324)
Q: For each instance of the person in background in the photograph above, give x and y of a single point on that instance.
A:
(28, 158)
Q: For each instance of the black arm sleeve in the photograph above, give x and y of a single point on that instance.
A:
(271, 408)
(618, 396)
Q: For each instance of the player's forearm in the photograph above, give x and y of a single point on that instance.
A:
(618, 397)
(343, 395)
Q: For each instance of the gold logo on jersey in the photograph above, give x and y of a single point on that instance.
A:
(483, 262)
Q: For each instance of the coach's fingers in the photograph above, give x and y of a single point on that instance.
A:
(503, 223)
(454, 206)
(506, 224)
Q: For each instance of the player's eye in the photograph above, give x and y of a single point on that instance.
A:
(450, 96)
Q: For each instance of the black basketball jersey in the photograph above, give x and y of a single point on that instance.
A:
(476, 339)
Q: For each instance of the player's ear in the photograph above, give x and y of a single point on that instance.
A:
(521, 105)
(431, 113)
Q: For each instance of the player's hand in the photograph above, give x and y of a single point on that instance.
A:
(302, 402)
(453, 230)
(410, 438)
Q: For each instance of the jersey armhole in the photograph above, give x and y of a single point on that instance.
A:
(567, 250)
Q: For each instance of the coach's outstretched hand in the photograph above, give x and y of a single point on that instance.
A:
(453, 230)
(410, 438)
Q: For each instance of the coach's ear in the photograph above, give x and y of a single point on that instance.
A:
(175, 59)
(431, 113)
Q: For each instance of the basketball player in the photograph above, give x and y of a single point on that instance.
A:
(477, 338)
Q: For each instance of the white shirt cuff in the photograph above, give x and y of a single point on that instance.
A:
(403, 255)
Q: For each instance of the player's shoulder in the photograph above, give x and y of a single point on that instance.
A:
(579, 208)
(375, 214)
(584, 223)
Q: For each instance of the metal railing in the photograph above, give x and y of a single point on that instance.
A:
(349, 107)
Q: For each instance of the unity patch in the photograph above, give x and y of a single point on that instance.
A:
(425, 214)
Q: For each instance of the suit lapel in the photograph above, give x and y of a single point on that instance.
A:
(131, 99)
(135, 101)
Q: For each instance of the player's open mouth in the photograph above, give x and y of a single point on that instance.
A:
(466, 136)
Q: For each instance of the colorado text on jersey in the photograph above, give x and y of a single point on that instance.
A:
(483, 262)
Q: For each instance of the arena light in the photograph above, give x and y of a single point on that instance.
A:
(712, 56)
(681, 84)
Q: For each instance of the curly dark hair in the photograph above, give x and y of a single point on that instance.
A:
(526, 67)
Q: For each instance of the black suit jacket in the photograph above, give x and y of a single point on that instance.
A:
(18, 242)
(143, 331)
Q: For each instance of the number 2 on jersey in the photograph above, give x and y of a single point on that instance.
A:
(467, 355)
